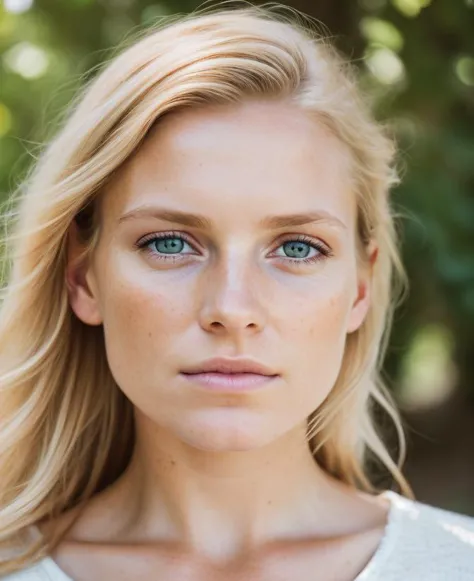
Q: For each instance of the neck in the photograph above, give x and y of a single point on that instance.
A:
(227, 503)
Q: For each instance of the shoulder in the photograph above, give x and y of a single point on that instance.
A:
(34, 573)
(426, 542)
(44, 570)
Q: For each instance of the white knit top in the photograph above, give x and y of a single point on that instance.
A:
(421, 543)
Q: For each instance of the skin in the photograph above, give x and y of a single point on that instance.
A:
(223, 485)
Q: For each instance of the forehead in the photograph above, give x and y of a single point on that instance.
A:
(256, 158)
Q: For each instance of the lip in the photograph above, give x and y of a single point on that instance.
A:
(230, 382)
(230, 366)
(230, 375)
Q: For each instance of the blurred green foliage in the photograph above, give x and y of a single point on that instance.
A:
(416, 57)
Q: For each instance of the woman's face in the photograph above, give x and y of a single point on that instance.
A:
(230, 234)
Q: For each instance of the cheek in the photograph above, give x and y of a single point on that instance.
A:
(320, 331)
(315, 341)
(318, 313)
(141, 315)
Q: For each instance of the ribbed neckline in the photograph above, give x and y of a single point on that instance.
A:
(371, 571)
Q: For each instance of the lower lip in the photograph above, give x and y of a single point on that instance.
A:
(230, 382)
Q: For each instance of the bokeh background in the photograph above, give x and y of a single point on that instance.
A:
(416, 58)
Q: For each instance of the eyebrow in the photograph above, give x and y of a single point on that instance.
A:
(199, 221)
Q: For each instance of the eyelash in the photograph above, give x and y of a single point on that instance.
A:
(323, 251)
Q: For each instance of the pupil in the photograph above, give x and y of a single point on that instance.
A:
(169, 245)
(296, 249)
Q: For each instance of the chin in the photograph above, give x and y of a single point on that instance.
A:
(228, 432)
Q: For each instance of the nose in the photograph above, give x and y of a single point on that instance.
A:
(231, 300)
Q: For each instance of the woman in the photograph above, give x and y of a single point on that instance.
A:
(197, 309)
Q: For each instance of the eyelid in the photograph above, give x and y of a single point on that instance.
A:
(311, 240)
(316, 243)
(300, 236)
(163, 235)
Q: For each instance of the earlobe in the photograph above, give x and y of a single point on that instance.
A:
(373, 252)
(359, 308)
(82, 301)
(80, 283)
(362, 302)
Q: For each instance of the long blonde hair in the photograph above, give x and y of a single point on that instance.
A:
(66, 429)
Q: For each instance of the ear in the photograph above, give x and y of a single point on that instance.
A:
(363, 298)
(80, 281)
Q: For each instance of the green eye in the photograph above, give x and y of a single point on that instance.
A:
(168, 245)
(302, 250)
(297, 249)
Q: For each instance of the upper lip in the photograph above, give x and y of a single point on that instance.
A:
(222, 365)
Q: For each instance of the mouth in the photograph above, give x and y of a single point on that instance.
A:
(216, 381)
(230, 375)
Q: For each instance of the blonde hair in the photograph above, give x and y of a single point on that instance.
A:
(66, 429)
